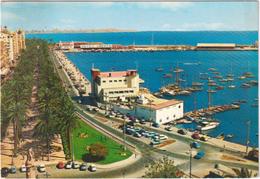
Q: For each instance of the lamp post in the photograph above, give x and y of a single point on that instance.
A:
(248, 123)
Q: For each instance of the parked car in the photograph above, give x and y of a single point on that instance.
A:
(195, 145)
(23, 169)
(168, 128)
(199, 155)
(155, 142)
(60, 165)
(4, 172)
(137, 135)
(83, 167)
(68, 165)
(195, 135)
(12, 170)
(75, 165)
(41, 168)
(203, 138)
(92, 168)
(155, 124)
(142, 121)
(182, 131)
(163, 137)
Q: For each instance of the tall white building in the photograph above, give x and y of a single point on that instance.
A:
(108, 86)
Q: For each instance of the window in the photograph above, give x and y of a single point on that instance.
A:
(110, 81)
(120, 80)
(160, 120)
(179, 106)
(124, 80)
(167, 118)
(115, 80)
(174, 116)
(104, 81)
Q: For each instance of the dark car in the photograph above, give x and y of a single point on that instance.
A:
(12, 170)
(4, 172)
(182, 132)
(83, 167)
(156, 125)
(195, 135)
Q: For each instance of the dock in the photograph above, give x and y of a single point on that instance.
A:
(211, 110)
(100, 47)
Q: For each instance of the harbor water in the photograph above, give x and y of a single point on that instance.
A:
(192, 62)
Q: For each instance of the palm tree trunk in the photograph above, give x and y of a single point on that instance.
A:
(69, 143)
(15, 138)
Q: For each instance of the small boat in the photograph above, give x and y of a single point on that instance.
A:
(212, 84)
(197, 84)
(242, 77)
(230, 75)
(212, 69)
(231, 86)
(216, 72)
(207, 127)
(196, 89)
(218, 77)
(230, 79)
(245, 85)
(236, 103)
(253, 82)
(230, 136)
(159, 69)
(184, 92)
(167, 75)
(248, 75)
(219, 87)
(223, 80)
(211, 91)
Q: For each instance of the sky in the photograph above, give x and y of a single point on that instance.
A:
(140, 16)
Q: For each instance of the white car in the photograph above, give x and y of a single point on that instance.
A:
(92, 168)
(23, 168)
(75, 165)
(163, 137)
(41, 168)
(68, 165)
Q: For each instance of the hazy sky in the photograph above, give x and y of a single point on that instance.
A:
(137, 16)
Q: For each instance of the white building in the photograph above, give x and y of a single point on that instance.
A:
(155, 109)
(107, 86)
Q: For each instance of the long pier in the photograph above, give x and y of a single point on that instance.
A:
(101, 47)
(211, 110)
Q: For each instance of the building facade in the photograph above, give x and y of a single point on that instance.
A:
(12, 44)
(109, 86)
(156, 110)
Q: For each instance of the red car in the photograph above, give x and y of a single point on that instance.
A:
(60, 165)
(195, 136)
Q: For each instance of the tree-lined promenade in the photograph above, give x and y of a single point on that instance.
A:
(55, 109)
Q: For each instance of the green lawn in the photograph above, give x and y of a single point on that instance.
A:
(93, 136)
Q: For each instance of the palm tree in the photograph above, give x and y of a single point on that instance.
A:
(67, 120)
(244, 173)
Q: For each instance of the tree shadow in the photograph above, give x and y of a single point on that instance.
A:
(89, 158)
